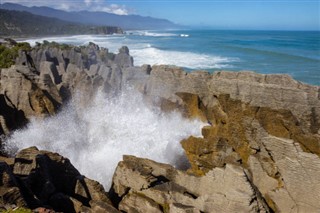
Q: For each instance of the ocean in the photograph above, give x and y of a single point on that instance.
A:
(296, 53)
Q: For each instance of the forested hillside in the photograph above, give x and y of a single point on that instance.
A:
(17, 23)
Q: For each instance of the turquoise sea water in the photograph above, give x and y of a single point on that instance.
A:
(293, 53)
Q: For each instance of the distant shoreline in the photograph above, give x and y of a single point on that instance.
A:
(22, 38)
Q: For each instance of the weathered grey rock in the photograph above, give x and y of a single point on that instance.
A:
(220, 190)
(179, 208)
(260, 178)
(9, 188)
(102, 207)
(94, 69)
(133, 202)
(39, 178)
(90, 190)
(123, 59)
(28, 97)
(300, 172)
(49, 68)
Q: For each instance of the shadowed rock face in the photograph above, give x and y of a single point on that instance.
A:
(164, 188)
(259, 152)
(43, 179)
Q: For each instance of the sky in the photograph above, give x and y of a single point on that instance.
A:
(216, 14)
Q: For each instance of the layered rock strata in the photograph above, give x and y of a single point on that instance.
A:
(259, 152)
(40, 179)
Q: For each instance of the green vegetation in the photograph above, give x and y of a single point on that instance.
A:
(54, 44)
(9, 54)
(19, 210)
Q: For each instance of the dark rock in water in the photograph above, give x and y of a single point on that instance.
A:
(45, 179)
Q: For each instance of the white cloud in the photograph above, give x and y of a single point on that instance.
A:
(116, 9)
(64, 7)
(76, 5)
(88, 2)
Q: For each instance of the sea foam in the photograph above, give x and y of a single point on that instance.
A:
(151, 33)
(145, 52)
(155, 56)
(95, 137)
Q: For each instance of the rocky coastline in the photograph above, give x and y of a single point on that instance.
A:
(259, 152)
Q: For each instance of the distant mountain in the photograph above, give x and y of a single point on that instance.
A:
(97, 18)
(18, 23)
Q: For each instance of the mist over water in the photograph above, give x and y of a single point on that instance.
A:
(96, 136)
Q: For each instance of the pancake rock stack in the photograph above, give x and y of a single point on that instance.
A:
(259, 152)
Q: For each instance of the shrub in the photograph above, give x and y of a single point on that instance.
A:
(9, 54)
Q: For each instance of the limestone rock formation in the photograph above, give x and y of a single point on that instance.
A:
(244, 111)
(299, 172)
(147, 186)
(43, 179)
(262, 140)
(45, 78)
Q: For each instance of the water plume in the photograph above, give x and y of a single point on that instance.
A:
(96, 136)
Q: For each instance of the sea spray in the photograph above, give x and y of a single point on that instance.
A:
(96, 136)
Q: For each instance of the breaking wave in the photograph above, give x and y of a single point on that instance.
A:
(145, 52)
(152, 34)
(96, 136)
(151, 55)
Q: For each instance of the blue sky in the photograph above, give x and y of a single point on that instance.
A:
(218, 14)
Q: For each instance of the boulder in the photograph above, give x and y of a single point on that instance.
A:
(42, 179)
(146, 186)
(10, 192)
